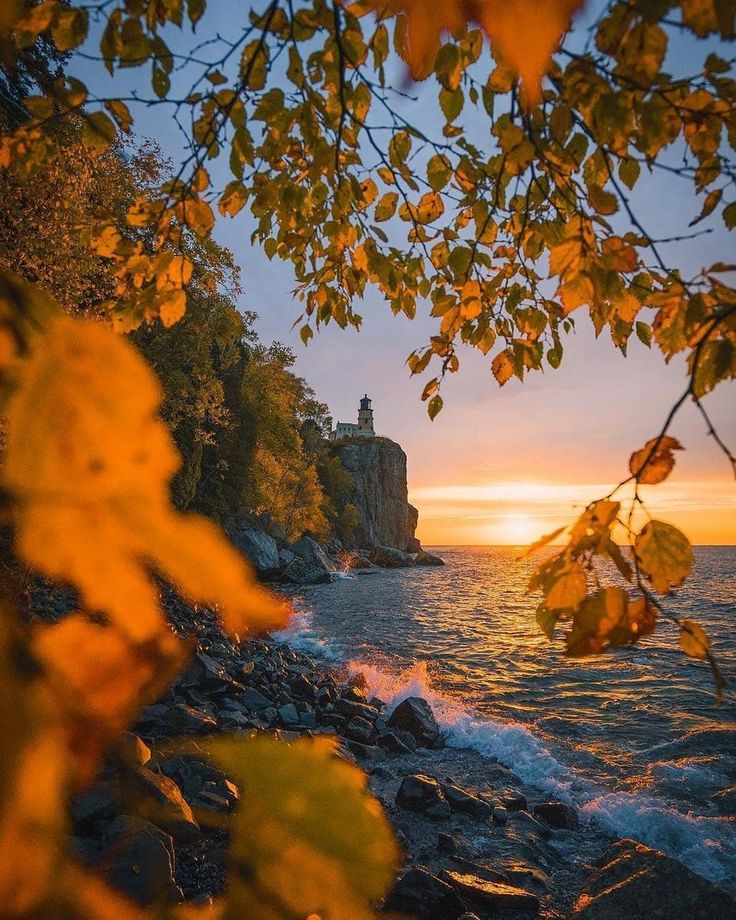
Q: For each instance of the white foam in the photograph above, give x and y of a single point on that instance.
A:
(707, 845)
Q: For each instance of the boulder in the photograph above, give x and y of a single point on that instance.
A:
(422, 557)
(557, 814)
(465, 802)
(422, 894)
(158, 796)
(188, 720)
(138, 859)
(489, 895)
(133, 749)
(635, 881)
(96, 806)
(389, 558)
(421, 793)
(259, 547)
(310, 565)
(254, 700)
(414, 715)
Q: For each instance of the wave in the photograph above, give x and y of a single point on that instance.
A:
(705, 844)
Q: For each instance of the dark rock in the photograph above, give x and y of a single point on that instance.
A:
(359, 729)
(138, 859)
(500, 815)
(422, 557)
(415, 716)
(158, 796)
(352, 708)
(187, 720)
(389, 558)
(133, 749)
(447, 843)
(252, 699)
(462, 801)
(288, 714)
(198, 780)
(365, 752)
(557, 814)
(259, 547)
(310, 565)
(512, 800)
(96, 806)
(635, 881)
(423, 794)
(392, 743)
(491, 895)
(423, 895)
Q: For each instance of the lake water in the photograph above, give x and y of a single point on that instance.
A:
(633, 738)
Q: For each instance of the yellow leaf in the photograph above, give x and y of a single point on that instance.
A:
(568, 589)
(308, 839)
(502, 367)
(470, 303)
(693, 640)
(655, 461)
(172, 305)
(87, 464)
(664, 554)
(602, 620)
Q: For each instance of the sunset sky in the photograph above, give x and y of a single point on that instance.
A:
(504, 466)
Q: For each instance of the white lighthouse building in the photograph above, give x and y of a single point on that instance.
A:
(364, 427)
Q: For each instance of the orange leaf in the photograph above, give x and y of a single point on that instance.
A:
(655, 461)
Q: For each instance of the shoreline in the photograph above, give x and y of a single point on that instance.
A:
(477, 841)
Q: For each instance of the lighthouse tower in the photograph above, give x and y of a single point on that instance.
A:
(365, 418)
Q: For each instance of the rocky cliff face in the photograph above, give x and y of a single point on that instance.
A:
(378, 469)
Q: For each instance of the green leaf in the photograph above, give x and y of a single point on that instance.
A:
(665, 555)
(729, 215)
(307, 837)
(434, 407)
(98, 132)
(644, 333)
(451, 103)
(70, 29)
(629, 171)
(439, 172)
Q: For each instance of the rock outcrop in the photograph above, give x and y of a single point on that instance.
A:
(378, 470)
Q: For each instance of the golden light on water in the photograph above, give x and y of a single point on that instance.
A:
(515, 529)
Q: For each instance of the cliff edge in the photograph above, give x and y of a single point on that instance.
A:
(378, 470)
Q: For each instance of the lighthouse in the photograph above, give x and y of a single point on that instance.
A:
(364, 428)
(365, 418)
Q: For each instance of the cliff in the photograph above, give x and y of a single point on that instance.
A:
(379, 492)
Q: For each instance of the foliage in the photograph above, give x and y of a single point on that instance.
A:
(506, 238)
(284, 484)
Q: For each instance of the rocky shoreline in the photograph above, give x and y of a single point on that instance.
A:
(477, 842)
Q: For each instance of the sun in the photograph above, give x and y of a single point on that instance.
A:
(517, 529)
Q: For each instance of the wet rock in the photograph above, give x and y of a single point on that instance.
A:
(352, 708)
(389, 558)
(288, 714)
(368, 753)
(422, 557)
(188, 720)
(557, 814)
(414, 715)
(159, 797)
(462, 801)
(513, 800)
(635, 881)
(133, 749)
(500, 815)
(359, 729)
(423, 794)
(491, 895)
(423, 895)
(259, 547)
(96, 806)
(310, 565)
(252, 699)
(393, 744)
(138, 859)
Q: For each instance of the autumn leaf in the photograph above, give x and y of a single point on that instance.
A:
(308, 839)
(600, 621)
(694, 640)
(88, 463)
(664, 554)
(502, 367)
(655, 461)
(568, 588)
